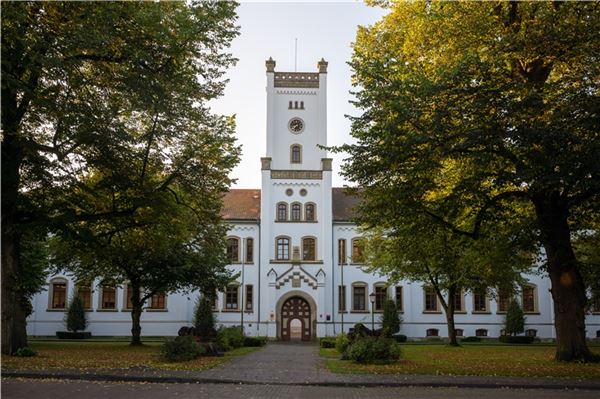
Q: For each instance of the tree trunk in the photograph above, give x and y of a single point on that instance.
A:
(14, 332)
(449, 310)
(136, 314)
(568, 288)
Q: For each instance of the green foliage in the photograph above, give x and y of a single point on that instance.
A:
(467, 110)
(204, 320)
(390, 319)
(181, 349)
(400, 338)
(75, 318)
(34, 265)
(327, 342)
(374, 350)
(514, 321)
(109, 143)
(471, 339)
(229, 338)
(255, 341)
(342, 343)
(25, 352)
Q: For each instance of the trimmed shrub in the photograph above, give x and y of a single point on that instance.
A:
(180, 349)
(471, 339)
(327, 342)
(75, 318)
(229, 338)
(204, 320)
(255, 341)
(374, 350)
(25, 352)
(516, 339)
(73, 335)
(390, 319)
(342, 342)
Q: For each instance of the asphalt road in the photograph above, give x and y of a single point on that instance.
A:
(22, 388)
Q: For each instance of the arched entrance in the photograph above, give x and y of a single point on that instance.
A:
(296, 319)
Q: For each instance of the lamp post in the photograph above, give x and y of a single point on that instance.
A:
(372, 298)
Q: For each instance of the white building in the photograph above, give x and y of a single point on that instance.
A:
(296, 251)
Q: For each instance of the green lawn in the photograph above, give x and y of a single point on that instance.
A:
(482, 360)
(108, 355)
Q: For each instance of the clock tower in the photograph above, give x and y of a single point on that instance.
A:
(296, 208)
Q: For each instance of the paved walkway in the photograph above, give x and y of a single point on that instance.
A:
(299, 364)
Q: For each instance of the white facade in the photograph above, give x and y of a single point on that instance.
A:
(290, 294)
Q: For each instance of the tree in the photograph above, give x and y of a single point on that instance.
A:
(390, 319)
(75, 318)
(84, 84)
(418, 250)
(514, 322)
(470, 109)
(204, 321)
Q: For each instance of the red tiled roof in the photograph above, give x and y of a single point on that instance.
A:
(241, 204)
(343, 204)
(244, 204)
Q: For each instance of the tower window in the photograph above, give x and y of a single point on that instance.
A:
(309, 212)
(296, 211)
(296, 154)
(296, 104)
(290, 105)
(301, 104)
(282, 211)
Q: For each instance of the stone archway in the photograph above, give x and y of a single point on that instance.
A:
(293, 308)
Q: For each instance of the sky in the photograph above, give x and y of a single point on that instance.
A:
(324, 30)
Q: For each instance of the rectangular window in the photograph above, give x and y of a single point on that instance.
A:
(399, 301)
(296, 211)
(342, 298)
(85, 293)
(359, 294)
(158, 301)
(249, 250)
(309, 212)
(458, 301)
(479, 301)
(249, 298)
(596, 303)
(109, 298)
(59, 295)
(231, 297)
(233, 250)
(380, 297)
(528, 299)
(281, 212)
(128, 304)
(431, 303)
(341, 251)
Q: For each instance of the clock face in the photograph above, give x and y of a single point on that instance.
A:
(296, 125)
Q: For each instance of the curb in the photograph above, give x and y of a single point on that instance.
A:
(579, 385)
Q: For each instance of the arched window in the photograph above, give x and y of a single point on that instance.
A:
(296, 214)
(233, 249)
(58, 294)
(296, 104)
(359, 297)
(529, 298)
(480, 302)
(503, 300)
(108, 298)
(282, 211)
(481, 332)
(296, 153)
(459, 305)
(158, 301)
(283, 248)
(290, 105)
(380, 296)
(431, 300)
(309, 212)
(309, 249)
(301, 104)
(84, 290)
(357, 250)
